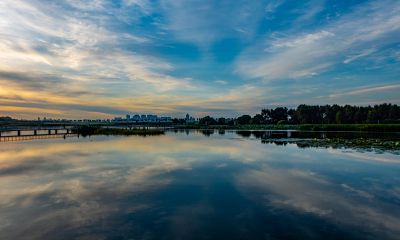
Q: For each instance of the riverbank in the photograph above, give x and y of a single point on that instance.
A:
(364, 144)
(301, 127)
(238, 127)
(149, 127)
(351, 127)
(97, 130)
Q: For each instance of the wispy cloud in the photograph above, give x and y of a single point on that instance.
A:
(204, 22)
(47, 48)
(103, 57)
(305, 54)
(363, 53)
(368, 90)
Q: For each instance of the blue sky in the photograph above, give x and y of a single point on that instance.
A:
(101, 58)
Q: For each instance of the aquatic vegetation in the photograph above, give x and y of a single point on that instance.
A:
(87, 130)
(368, 144)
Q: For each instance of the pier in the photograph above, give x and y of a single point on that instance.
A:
(8, 134)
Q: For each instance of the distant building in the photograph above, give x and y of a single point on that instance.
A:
(136, 117)
(189, 119)
(165, 119)
(143, 118)
(152, 118)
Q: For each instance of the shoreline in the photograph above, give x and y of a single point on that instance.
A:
(390, 128)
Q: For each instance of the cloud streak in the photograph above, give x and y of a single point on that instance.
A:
(305, 54)
(101, 57)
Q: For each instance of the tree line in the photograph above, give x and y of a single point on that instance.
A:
(315, 114)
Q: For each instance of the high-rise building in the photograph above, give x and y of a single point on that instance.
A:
(189, 119)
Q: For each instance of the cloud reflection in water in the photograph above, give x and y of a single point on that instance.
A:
(180, 186)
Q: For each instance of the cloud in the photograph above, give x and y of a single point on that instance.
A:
(81, 47)
(204, 22)
(74, 202)
(367, 90)
(60, 53)
(305, 54)
(299, 42)
(88, 5)
(311, 9)
(308, 193)
(273, 5)
(73, 53)
(222, 82)
(363, 53)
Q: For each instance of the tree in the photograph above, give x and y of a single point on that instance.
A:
(372, 116)
(292, 116)
(257, 119)
(266, 114)
(279, 114)
(178, 121)
(275, 115)
(328, 114)
(244, 119)
(231, 122)
(221, 121)
(359, 116)
(207, 120)
(6, 119)
(339, 117)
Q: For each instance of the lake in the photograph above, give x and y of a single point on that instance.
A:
(195, 185)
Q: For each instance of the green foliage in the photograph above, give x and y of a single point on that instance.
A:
(314, 117)
(178, 121)
(351, 127)
(6, 119)
(333, 114)
(207, 120)
(281, 122)
(339, 117)
(88, 130)
(221, 121)
(275, 115)
(244, 119)
(257, 119)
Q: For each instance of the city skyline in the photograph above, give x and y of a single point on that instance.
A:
(101, 58)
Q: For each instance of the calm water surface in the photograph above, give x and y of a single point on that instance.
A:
(192, 185)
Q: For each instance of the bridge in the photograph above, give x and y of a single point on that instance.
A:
(28, 133)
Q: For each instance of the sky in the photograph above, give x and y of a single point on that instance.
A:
(104, 58)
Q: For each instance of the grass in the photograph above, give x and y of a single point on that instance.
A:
(87, 130)
(240, 127)
(102, 127)
(303, 127)
(351, 127)
(338, 143)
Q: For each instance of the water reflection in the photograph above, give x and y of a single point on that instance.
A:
(195, 185)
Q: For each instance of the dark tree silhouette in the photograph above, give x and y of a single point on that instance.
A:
(257, 119)
(244, 119)
(330, 114)
(207, 120)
